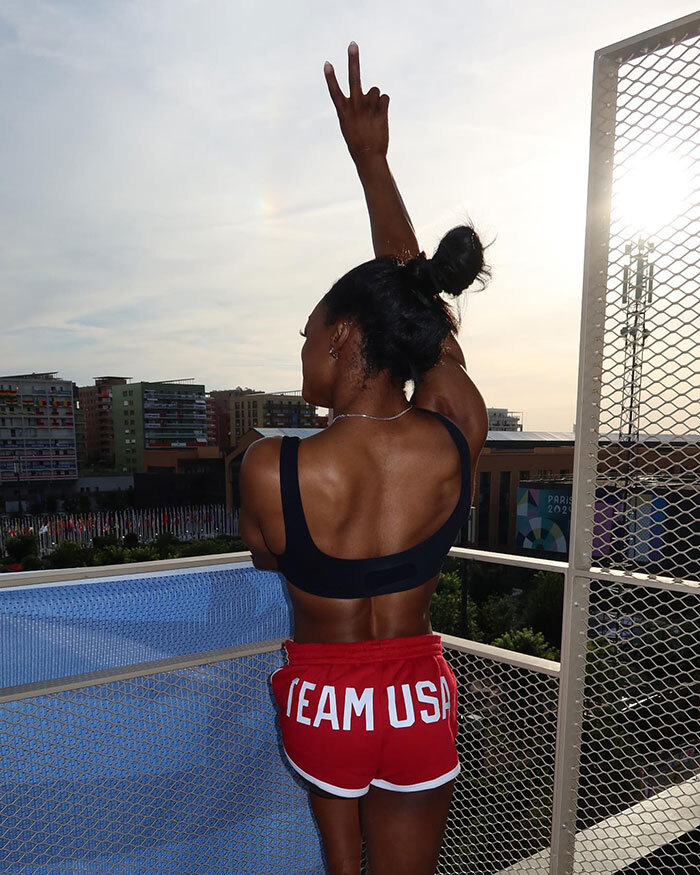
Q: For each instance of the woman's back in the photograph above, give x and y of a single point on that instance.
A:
(378, 504)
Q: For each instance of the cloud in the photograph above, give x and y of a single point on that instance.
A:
(176, 196)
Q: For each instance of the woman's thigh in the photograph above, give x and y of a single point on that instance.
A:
(403, 831)
(339, 822)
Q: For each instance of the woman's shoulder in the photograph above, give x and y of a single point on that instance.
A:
(261, 459)
(456, 396)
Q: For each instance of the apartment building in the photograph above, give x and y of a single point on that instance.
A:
(37, 433)
(270, 410)
(96, 404)
(502, 419)
(166, 415)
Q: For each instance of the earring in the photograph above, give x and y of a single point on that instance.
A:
(333, 352)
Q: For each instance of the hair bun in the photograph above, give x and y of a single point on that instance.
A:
(418, 274)
(458, 261)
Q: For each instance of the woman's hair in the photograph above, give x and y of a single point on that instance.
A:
(398, 307)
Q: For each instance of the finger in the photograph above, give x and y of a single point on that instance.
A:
(373, 97)
(337, 95)
(354, 70)
(383, 104)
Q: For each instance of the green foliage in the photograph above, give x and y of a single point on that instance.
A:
(446, 605)
(112, 554)
(486, 580)
(543, 605)
(32, 563)
(69, 554)
(496, 616)
(145, 553)
(22, 546)
(130, 539)
(166, 545)
(527, 641)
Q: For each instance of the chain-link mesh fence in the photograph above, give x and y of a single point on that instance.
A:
(174, 772)
(641, 723)
(649, 328)
(627, 773)
(502, 805)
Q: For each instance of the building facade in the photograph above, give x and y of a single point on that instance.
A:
(37, 434)
(219, 401)
(168, 415)
(96, 403)
(270, 410)
(502, 419)
(80, 431)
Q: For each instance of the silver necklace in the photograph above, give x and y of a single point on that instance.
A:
(369, 415)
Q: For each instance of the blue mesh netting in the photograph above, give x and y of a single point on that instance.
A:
(65, 629)
(176, 772)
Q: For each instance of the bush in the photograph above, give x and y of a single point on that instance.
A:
(99, 542)
(166, 545)
(112, 554)
(145, 553)
(130, 539)
(207, 546)
(527, 641)
(32, 563)
(69, 554)
(22, 546)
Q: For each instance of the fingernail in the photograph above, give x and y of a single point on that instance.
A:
(327, 66)
(353, 45)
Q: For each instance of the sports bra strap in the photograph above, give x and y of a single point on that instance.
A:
(460, 441)
(292, 510)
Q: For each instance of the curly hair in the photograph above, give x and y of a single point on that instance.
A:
(398, 305)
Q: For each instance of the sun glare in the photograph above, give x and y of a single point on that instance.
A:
(651, 191)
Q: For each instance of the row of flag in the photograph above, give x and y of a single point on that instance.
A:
(186, 523)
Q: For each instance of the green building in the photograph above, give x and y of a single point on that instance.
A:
(168, 415)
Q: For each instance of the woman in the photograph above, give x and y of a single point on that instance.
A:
(359, 519)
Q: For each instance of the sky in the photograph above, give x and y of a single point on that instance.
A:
(175, 194)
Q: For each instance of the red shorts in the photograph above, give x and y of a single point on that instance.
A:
(380, 712)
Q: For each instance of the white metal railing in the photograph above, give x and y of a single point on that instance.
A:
(503, 816)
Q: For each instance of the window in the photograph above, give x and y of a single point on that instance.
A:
(503, 507)
(484, 504)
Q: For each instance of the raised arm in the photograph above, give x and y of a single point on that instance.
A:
(364, 122)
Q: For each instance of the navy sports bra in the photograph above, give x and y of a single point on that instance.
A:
(313, 571)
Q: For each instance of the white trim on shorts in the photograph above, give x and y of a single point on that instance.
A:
(324, 785)
(377, 782)
(423, 785)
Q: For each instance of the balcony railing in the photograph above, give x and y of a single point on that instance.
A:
(141, 731)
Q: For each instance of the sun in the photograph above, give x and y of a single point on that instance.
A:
(650, 190)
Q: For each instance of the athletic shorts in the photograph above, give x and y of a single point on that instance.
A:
(380, 712)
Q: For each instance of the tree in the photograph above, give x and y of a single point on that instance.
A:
(527, 641)
(496, 616)
(445, 609)
(21, 547)
(543, 605)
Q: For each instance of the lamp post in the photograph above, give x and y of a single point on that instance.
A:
(17, 470)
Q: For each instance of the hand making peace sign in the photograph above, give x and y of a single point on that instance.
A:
(364, 118)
